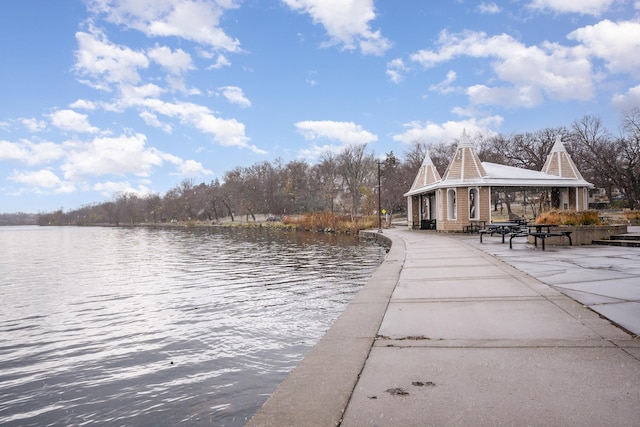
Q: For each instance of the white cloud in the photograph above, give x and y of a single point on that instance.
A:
(191, 168)
(617, 43)
(489, 8)
(30, 153)
(235, 95)
(346, 22)
(227, 132)
(110, 188)
(152, 120)
(556, 71)
(444, 86)
(221, 61)
(315, 151)
(583, 7)
(194, 20)
(107, 63)
(523, 96)
(34, 125)
(431, 133)
(13, 151)
(83, 104)
(344, 132)
(176, 62)
(111, 156)
(69, 120)
(628, 100)
(42, 181)
(395, 68)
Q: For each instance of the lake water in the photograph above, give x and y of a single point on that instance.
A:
(142, 327)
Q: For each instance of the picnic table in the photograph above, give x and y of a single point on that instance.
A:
(542, 231)
(517, 229)
(502, 228)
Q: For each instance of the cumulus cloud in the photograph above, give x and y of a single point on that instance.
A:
(191, 168)
(344, 132)
(69, 120)
(34, 125)
(42, 180)
(429, 132)
(194, 20)
(617, 43)
(83, 104)
(235, 95)
(444, 86)
(489, 8)
(627, 100)
(583, 7)
(346, 23)
(176, 62)
(119, 156)
(395, 70)
(110, 188)
(152, 120)
(556, 71)
(107, 63)
(341, 133)
(227, 132)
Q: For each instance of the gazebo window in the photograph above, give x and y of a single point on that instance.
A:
(451, 204)
(474, 211)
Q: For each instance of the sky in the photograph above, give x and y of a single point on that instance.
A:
(99, 97)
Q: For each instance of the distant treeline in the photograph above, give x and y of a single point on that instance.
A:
(346, 183)
(18, 218)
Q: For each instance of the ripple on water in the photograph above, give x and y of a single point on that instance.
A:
(159, 327)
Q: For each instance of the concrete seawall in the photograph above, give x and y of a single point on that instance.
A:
(445, 333)
(317, 391)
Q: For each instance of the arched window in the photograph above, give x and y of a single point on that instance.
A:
(451, 204)
(474, 212)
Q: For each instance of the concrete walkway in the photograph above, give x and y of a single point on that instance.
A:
(446, 333)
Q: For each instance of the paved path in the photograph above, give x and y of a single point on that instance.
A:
(604, 278)
(448, 334)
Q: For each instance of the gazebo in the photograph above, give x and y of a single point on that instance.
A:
(470, 191)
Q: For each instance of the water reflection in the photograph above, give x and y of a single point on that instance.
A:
(160, 327)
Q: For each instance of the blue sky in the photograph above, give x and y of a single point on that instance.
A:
(104, 96)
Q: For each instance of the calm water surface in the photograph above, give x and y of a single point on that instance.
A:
(143, 327)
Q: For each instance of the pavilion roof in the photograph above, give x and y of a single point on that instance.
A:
(559, 162)
(467, 170)
(427, 174)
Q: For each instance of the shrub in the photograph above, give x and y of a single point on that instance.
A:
(565, 217)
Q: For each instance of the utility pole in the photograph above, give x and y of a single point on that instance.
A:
(379, 204)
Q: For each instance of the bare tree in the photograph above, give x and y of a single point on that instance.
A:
(629, 155)
(356, 168)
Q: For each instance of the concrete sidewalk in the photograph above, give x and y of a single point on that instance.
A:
(465, 339)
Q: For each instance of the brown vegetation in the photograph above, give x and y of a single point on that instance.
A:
(562, 217)
(329, 222)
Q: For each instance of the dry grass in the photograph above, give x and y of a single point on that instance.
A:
(329, 222)
(563, 217)
(633, 216)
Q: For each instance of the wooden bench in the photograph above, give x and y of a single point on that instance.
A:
(544, 234)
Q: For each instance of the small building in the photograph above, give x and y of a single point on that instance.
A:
(471, 191)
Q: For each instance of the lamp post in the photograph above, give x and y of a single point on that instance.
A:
(379, 204)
